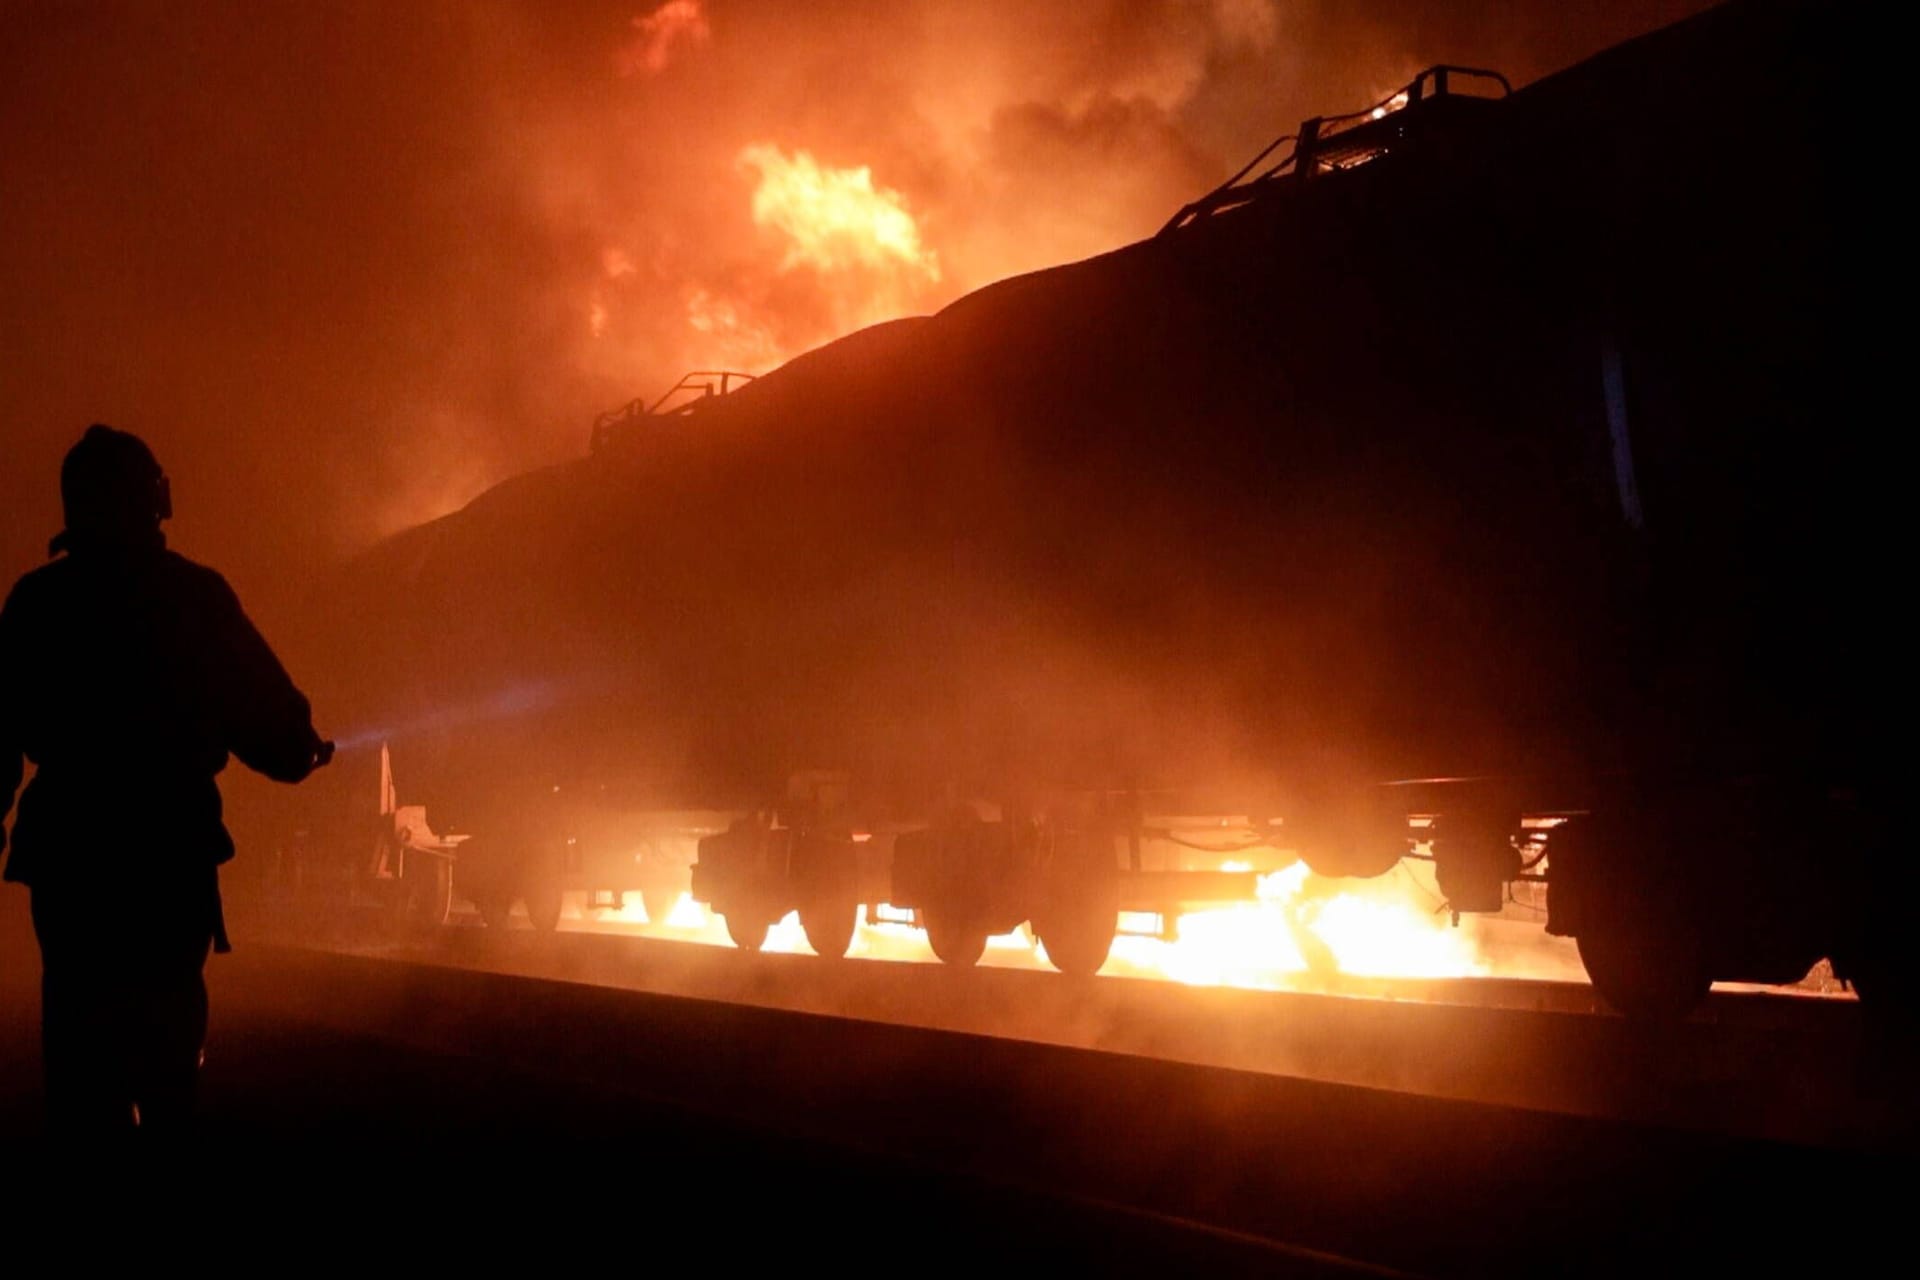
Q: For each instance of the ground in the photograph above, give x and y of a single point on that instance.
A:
(464, 1109)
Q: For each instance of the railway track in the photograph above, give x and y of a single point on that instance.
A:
(530, 1091)
(1749, 1064)
(1272, 1173)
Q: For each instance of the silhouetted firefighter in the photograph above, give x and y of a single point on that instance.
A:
(128, 673)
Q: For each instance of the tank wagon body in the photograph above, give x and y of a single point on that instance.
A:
(1503, 459)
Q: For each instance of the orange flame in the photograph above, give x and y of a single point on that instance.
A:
(1303, 932)
(835, 219)
(1303, 927)
(859, 244)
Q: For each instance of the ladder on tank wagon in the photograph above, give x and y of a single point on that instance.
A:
(685, 396)
(1434, 101)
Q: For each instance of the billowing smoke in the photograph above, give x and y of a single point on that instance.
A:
(349, 264)
(659, 35)
(899, 158)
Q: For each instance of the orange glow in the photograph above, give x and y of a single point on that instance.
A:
(732, 336)
(851, 248)
(1303, 928)
(1303, 933)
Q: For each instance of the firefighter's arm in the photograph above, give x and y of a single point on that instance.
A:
(12, 749)
(269, 722)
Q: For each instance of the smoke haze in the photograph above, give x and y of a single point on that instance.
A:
(348, 264)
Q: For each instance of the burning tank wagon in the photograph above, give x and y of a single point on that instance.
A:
(1483, 477)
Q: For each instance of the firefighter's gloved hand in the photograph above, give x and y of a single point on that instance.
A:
(322, 752)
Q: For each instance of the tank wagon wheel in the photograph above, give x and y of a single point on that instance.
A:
(954, 943)
(496, 910)
(829, 927)
(822, 864)
(1886, 985)
(1883, 968)
(748, 926)
(1078, 938)
(1638, 950)
(1079, 909)
(659, 903)
(1875, 954)
(939, 867)
(427, 892)
(421, 893)
(543, 907)
(1645, 970)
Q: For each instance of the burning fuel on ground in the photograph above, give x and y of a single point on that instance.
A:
(1301, 934)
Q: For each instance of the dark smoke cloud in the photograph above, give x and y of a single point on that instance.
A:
(349, 263)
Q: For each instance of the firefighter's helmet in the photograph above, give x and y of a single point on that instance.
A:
(111, 486)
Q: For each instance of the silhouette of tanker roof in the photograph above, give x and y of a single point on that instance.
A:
(1123, 446)
(1579, 98)
(1000, 338)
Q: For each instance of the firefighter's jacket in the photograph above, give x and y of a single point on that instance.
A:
(128, 674)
